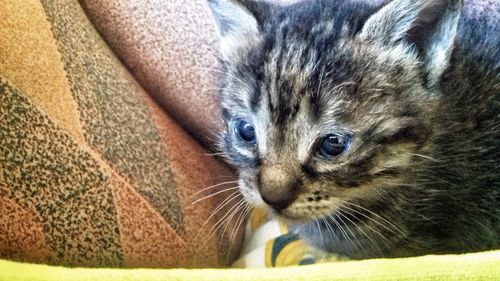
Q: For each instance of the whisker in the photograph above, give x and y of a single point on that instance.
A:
(214, 154)
(386, 242)
(210, 187)
(206, 68)
(351, 232)
(359, 228)
(226, 222)
(345, 234)
(238, 222)
(425, 157)
(342, 231)
(245, 213)
(220, 223)
(319, 228)
(213, 194)
(376, 221)
(223, 220)
(226, 201)
(330, 230)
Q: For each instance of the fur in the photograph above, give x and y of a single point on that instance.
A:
(415, 84)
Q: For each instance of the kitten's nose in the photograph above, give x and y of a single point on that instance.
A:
(278, 186)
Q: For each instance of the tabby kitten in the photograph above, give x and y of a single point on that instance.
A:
(372, 129)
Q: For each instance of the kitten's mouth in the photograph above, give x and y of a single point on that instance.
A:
(284, 210)
(300, 213)
(293, 215)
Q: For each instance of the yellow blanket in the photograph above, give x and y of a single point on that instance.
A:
(476, 266)
(268, 244)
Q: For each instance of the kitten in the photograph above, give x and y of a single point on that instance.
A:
(374, 130)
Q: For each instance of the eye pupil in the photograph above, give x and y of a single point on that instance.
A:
(245, 131)
(333, 145)
(333, 140)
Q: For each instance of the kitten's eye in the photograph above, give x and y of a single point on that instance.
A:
(245, 131)
(333, 145)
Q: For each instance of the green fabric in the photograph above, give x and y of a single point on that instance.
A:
(475, 266)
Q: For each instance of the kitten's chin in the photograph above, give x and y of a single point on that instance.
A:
(294, 217)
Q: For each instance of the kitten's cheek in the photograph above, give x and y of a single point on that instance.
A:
(251, 194)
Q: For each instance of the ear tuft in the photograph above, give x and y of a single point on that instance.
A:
(428, 25)
(237, 21)
(390, 24)
(435, 37)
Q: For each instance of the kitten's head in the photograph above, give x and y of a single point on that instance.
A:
(329, 102)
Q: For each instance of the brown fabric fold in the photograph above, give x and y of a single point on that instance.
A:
(92, 171)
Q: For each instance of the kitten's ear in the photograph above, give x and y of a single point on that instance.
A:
(238, 21)
(429, 25)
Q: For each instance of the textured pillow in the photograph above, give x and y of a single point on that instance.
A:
(92, 171)
(170, 47)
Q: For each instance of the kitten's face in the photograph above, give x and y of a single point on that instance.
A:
(341, 126)
(328, 105)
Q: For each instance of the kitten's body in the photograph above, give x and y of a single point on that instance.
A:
(422, 174)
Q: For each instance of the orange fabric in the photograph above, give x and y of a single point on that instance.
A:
(29, 59)
(92, 171)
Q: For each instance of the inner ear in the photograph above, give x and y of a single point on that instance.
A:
(238, 21)
(430, 26)
(260, 10)
(428, 17)
(232, 18)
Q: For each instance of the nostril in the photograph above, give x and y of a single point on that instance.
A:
(277, 205)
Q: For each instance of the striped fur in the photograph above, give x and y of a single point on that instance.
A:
(404, 80)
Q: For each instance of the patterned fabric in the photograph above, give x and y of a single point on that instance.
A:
(269, 243)
(92, 171)
(171, 49)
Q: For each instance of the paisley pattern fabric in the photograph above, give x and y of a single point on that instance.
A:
(92, 171)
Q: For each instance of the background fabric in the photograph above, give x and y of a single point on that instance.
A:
(171, 49)
(92, 171)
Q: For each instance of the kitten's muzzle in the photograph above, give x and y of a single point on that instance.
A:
(278, 186)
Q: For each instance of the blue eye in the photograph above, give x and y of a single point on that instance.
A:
(245, 131)
(333, 145)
